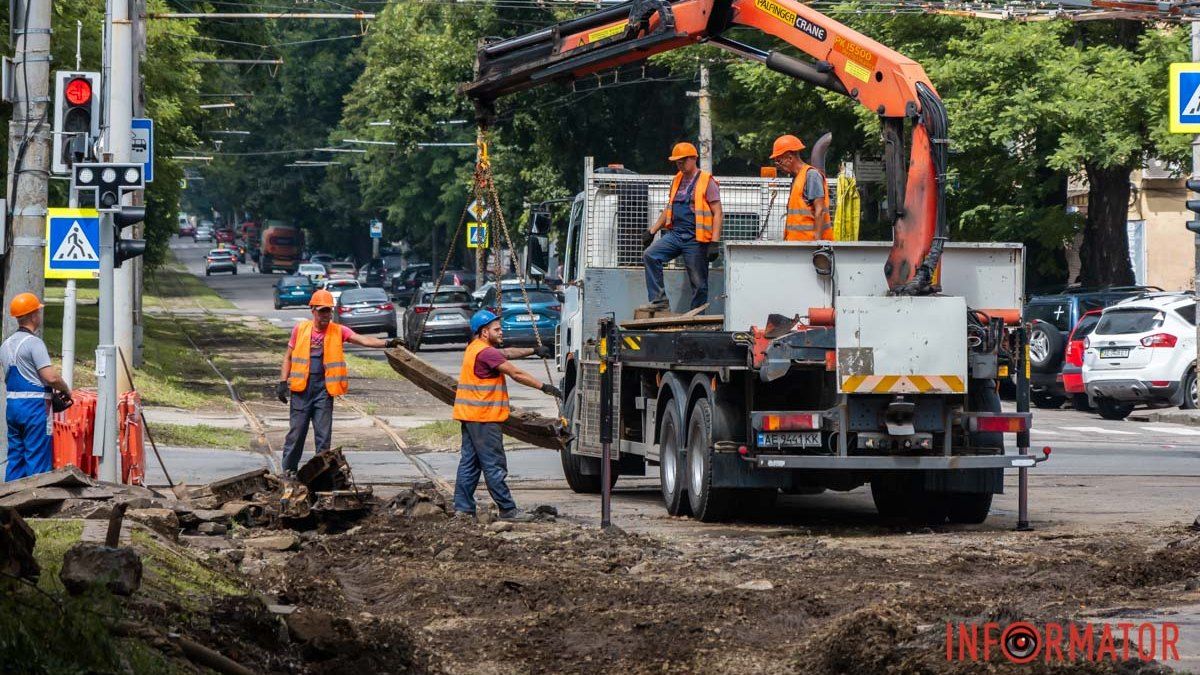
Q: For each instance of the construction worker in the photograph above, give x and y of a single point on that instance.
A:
(692, 221)
(314, 373)
(29, 379)
(808, 202)
(481, 405)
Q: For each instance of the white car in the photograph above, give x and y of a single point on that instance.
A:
(337, 286)
(314, 271)
(1143, 351)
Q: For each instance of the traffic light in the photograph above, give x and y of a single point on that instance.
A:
(76, 118)
(107, 183)
(1193, 205)
(124, 249)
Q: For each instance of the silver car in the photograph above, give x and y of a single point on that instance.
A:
(367, 310)
(441, 317)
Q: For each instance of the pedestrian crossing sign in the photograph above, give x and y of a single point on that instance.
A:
(72, 244)
(477, 235)
(1185, 98)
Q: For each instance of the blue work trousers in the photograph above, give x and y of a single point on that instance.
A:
(695, 258)
(482, 451)
(30, 448)
(312, 406)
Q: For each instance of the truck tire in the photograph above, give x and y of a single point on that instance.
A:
(672, 463)
(889, 498)
(1112, 410)
(904, 496)
(1046, 347)
(709, 504)
(969, 508)
(572, 464)
(984, 398)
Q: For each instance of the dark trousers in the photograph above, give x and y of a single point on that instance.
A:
(482, 451)
(314, 405)
(695, 258)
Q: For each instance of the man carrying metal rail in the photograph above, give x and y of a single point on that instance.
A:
(481, 404)
(692, 221)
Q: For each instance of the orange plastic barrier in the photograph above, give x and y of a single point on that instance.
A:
(75, 428)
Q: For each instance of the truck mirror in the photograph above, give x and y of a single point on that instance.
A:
(537, 255)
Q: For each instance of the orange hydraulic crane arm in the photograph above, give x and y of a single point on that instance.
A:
(844, 61)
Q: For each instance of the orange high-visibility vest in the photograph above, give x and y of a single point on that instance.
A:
(479, 399)
(337, 378)
(702, 209)
(800, 223)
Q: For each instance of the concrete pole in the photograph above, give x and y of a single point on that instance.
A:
(30, 129)
(120, 115)
(137, 15)
(706, 139)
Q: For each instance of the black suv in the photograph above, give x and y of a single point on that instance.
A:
(1052, 316)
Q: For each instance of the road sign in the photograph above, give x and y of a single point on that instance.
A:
(1185, 98)
(141, 146)
(376, 229)
(72, 244)
(478, 211)
(477, 235)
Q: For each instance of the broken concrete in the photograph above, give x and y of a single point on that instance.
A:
(163, 521)
(88, 564)
(210, 528)
(277, 542)
(17, 540)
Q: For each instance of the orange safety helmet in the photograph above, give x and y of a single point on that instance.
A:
(682, 150)
(786, 143)
(321, 298)
(24, 303)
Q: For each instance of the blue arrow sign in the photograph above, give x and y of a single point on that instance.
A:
(72, 244)
(141, 145)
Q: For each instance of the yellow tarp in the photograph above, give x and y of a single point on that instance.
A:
(849, 209)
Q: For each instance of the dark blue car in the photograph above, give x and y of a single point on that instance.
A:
(518, 320)
(293, 290)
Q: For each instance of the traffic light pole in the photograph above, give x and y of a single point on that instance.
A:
(104, 443)
(119, 86)
(1196, 176)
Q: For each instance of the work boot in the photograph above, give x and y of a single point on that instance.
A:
(515, 516)
(464, 515)
(660, 305)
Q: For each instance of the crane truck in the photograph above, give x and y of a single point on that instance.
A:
(811, 370)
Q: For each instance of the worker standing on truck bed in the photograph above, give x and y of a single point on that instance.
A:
(29, 378)
(481, 404)
(314, 373)
(808, 201)
(692, 221)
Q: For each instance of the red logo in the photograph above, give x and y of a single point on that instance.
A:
(1023, 642)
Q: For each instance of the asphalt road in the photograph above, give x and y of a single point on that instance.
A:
(1082, 444)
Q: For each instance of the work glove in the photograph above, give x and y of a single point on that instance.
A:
(647, 239)
(282, 391)
(552, 390)
(543, 352)
(394, 342)
(714, 252)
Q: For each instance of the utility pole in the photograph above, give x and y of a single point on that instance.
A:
(138, 29)
(119, 84)
(706, 139)
(1196, 175)
(70, 305)
(28, 153)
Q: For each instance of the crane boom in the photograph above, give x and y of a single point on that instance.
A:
(844, 61)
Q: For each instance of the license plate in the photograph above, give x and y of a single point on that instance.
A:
(525, 318)
(1114, 353)
(366, 310)
(789, 439)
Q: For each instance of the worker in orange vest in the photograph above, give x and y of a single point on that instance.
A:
(481, 405)
(692, 221)
(314, 373)
(808, 216)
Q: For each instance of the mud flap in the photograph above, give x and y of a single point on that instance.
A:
(965, 480)
(731, 471)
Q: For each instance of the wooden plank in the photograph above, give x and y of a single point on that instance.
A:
(68, 476)
(523, 425)
(680, 321)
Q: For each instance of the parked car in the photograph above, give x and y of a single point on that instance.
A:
(1142, 351)
(341, 267)
(203, 233)
(294, 289)
(224, 236)
(323, 258)
(444, 316)
(518, 319)
(1051, 319)
(220, 260)
(314, 271)
(338, 286)
(367, 310)
(1072, 370)
(422, 277)
(405, 283)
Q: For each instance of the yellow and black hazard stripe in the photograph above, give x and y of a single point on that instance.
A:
(633, 342)
(902, 384)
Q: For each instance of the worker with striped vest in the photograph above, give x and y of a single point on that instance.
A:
(808, 216)
(481, 405)
(314, 373)
(692, 224)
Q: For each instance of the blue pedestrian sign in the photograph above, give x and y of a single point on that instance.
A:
(141, 145)
(1185, 98)
(72, 244)
(477, 235)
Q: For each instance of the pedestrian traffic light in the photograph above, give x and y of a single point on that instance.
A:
(107, 183)
(76, 118)
(124, 249)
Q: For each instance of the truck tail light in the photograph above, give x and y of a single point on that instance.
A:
(788, 421)
(1159, 340)
(1007, 423)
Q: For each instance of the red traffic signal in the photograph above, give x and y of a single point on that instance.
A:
(78, 91)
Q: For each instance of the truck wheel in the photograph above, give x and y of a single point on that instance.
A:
(708, 504)
(905, 496)
(970, 508)
(1112, 410)
(572, 464)
(888, 497)
(671, 463)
